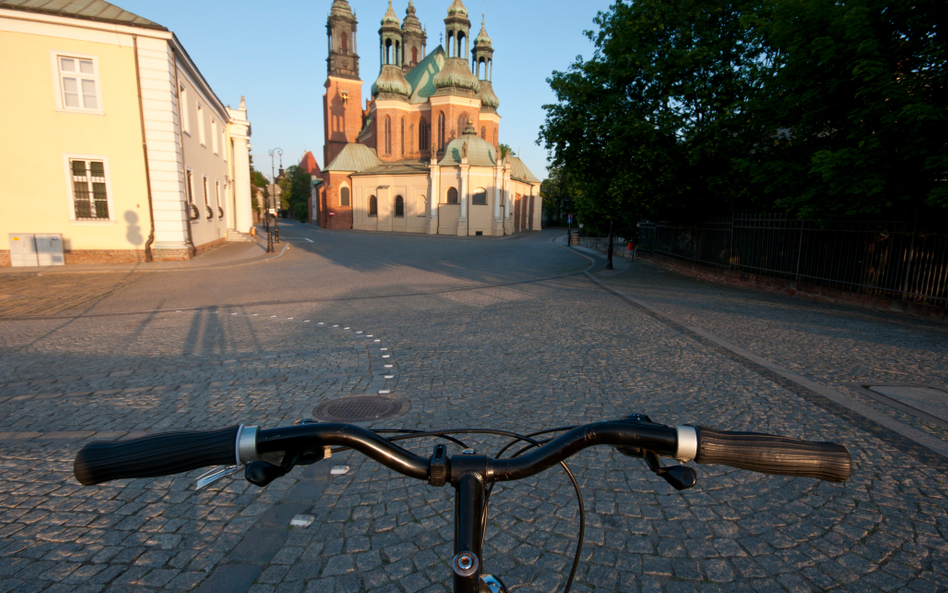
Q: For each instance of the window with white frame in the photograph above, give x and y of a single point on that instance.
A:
(183, 110)
(214, 135)
(89, 189)
(223, 144)
(200, 125)
(78, 81)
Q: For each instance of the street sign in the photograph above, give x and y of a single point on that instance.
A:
(331, 213)
(569, 219)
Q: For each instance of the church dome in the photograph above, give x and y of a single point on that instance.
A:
(483, 39)
(456, 74)
(489, 99)
(340, 8)
(390, 17)
(411, 22)
(480, 153)
(391, 81)
(457, 9)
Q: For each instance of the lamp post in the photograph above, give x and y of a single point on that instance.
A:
(276, 215)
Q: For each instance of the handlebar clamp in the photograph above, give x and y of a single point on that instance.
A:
(437, 472)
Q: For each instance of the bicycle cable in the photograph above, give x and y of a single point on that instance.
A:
(579, 496)
(406, 434)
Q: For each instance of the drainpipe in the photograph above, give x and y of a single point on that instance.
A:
(141, 115)
(187, 206)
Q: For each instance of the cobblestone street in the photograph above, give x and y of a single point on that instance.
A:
(517, 334)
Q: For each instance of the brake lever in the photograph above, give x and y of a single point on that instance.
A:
(214, 474)
(681, 477)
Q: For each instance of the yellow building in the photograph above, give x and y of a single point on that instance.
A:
(111, 137)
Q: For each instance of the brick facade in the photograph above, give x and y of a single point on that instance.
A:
(329, 201)
(342, 114)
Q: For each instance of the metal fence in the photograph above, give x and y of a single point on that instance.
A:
(907, 260)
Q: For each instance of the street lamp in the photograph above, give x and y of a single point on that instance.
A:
(276, 224)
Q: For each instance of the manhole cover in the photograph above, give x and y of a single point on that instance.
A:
(357, 409)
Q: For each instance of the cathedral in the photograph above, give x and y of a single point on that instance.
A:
(423, 154)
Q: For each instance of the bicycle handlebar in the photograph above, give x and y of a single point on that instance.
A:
(172, 453)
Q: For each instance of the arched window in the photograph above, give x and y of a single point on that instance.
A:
(452, 195)
(461, 53)
(441, 131)
(403, 136)
(399, 206)
(462, 124)
(480, 197)
(414, 55)
(483, 133)
(345, 42)
(388, 135)
(423, 135)
(344, 196)
(373, 206)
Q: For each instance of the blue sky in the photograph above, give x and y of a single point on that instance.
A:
(274, 53)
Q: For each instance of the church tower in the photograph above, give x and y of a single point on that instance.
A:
(414, 38)
(451, 108)
(483, 66)
(342, 103)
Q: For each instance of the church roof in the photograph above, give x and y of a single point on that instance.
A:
(92, 10)
(407, 167)
(354, 157)
(421, 77)
(457, 7)
(519, 170)
(390, 17)
(309, 165)
(480, 153)
(482, 38)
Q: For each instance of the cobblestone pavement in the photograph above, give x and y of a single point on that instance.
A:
(502, 334)
(57, 294)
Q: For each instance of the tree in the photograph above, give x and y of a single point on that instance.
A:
(558, 194)
(295, 192)
(853, 121)
(257, 179)
(648, 125)
(693, 107)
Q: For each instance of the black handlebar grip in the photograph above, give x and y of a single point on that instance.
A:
(155, 455)
(771, 454)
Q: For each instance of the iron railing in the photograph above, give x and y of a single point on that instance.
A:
(907, 260)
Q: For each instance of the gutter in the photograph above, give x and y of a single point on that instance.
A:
(141, 115)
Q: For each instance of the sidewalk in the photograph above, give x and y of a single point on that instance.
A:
(238, 253)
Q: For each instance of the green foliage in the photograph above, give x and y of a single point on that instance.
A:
(854, 120)
(690, 107)
(259, 180)
(559, 194)
(295, 192)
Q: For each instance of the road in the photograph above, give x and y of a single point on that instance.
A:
(518, 334)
